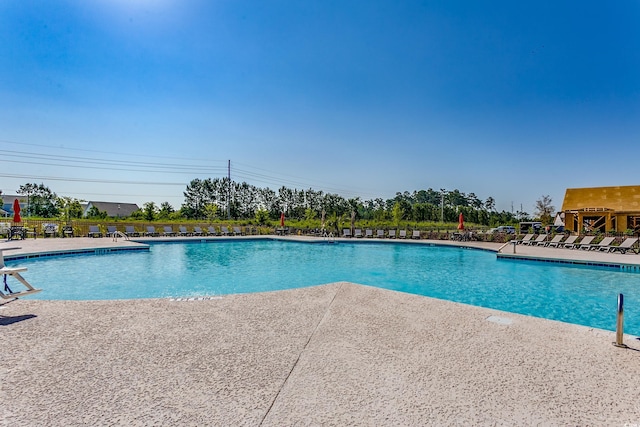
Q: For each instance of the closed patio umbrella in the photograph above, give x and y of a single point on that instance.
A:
(461, 222)
(16, 211)
(282, 219)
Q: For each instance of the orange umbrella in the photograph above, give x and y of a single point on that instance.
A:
(16, 211)
(461, 222)
(282, 219)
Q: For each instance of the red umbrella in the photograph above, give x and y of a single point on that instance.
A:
(282, 219)
(461, 222)
(16, 211)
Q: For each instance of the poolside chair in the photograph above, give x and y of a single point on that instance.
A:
(553, 242)
(603, 245)
(94, 231)
(403, 234)
(380, 234)
(224, 231)
(625, 246)
(527, 238)
(50, 230)
(415, 234)
(237, 231)
(111, 230)
(168, 231)
(67, 231)
(212, 231)
(346, 232)
(368, 233)
(151, 231)
(585, 243)
(130, 231)
(540, 239)
(570, 243)
(197, 231)
(357, 233)
(182, 231)
(392, 234)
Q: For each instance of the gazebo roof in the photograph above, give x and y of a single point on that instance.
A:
(619, 199)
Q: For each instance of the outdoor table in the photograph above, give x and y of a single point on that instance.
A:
(17, 232)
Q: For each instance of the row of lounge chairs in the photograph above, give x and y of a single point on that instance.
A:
(380, 234)
(166, 231)
(605, 245)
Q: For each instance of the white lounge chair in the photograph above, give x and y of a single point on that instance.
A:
(346, 232)
(540, 239)
(357, 232)
(570, 243)
(415, 234)
(526, 238)
(585, 243)
(392, 234)
(380, 234)
(368, 232)
(625, 246)
(603, 245)
(197, 231)
(403, 234)
(182, 231)
(553, 242)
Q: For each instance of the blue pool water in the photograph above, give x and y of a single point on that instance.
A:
(581, 295)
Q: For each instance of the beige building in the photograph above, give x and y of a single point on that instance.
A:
(602, 208)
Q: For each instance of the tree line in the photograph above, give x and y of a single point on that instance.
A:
(221, 198)
(224, 198)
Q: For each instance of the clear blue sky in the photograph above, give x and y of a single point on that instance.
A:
(505, 99)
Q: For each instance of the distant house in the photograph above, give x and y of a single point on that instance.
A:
(602, 208)
(7, 203)
(116, 210)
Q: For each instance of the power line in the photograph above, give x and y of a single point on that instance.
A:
(249, 173)
(101, 181)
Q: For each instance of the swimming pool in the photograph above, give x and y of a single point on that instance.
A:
(586, 296)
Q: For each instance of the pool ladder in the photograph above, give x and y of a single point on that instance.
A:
(117, 233)
(329, 238)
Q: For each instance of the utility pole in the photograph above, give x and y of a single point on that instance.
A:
(442, 190)
(229, 190)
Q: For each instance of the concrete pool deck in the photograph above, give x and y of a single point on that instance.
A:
(337, 354)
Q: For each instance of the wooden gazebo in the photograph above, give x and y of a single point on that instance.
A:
(602, 208)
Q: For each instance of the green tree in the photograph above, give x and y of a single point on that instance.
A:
(490, 204)
(397, 213)
(95, 213)
(41, 201)
(69, 208)
(211, 211)
(150, 211)
(165, 210)
(544, 209)
(310, 214)
(137, 214)
(262, 216)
